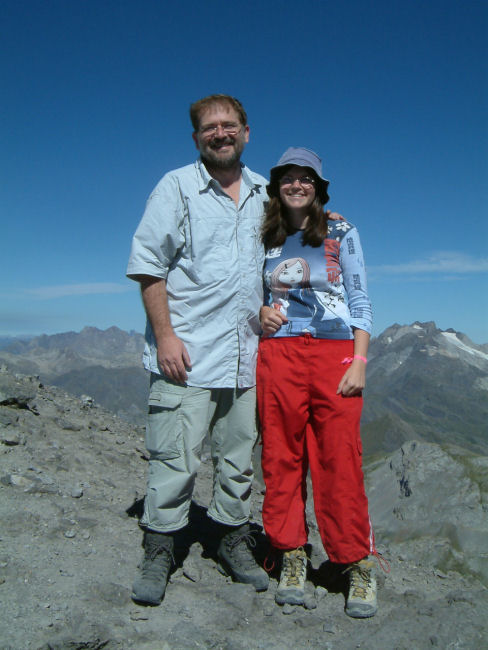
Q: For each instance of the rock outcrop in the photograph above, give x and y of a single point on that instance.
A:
(438, 498)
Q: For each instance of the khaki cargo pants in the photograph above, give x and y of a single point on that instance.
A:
(178, 421)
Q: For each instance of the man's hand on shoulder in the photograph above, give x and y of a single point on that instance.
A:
(334, 216)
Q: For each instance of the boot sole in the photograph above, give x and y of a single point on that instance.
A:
(143, 601)
(357, 613)
(296, 598)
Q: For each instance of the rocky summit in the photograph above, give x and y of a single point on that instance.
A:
(72, 476)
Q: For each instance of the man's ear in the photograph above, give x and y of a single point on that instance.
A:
(195, 139)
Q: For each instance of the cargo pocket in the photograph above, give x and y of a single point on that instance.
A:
(163, 430)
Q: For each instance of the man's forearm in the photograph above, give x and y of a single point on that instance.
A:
(155, 299)
(173, 357)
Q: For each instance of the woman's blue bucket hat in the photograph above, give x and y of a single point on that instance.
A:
(301, 157)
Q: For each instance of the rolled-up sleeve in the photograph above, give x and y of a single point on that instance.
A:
(354, 278)
(160, 234)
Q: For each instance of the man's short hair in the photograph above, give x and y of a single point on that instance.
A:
(197, 108)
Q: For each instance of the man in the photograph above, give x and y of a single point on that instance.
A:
(198, 257)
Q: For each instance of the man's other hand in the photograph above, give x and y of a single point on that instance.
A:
(173, 358)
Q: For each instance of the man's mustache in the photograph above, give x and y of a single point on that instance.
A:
(218, 142)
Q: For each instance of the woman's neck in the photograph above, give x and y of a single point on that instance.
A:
(297, 219)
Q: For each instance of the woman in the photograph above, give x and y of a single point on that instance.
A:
(316, 326)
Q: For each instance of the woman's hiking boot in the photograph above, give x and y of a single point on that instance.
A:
(361, 600)
(291, 588)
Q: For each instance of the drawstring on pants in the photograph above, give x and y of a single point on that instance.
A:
(382, 561)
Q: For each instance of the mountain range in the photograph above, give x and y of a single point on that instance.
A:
(105, 364)
(426, 384)
(423, 383)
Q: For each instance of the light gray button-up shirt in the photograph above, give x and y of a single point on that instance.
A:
(209, 251)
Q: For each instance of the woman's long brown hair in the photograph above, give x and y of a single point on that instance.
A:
(276, 228)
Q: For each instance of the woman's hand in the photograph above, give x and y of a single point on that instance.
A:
(271, 320)
(353, 380)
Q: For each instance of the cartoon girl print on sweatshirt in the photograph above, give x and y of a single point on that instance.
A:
(293, 296)
(289, 274)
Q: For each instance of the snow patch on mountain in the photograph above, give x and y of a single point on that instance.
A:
(452, 338)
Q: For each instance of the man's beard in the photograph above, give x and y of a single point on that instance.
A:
(212, 160)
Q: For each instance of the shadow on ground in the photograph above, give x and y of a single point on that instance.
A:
(203, 530)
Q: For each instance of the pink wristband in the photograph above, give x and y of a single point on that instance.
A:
(358, 356)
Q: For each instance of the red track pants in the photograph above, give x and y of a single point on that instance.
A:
(304, 422)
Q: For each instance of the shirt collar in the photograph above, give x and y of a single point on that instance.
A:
(205, 179)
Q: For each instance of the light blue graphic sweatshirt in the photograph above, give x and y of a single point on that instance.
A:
(322, 291)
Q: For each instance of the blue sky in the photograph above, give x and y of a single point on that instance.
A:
(94, 110)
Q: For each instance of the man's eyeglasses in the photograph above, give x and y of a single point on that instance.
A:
(229, 128)
(304, 181)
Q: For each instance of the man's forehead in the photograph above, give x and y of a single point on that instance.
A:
(219, 112)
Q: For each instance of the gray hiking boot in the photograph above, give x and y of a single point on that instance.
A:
(361, 600)
(237, 560)
(292, 579)
(150, 585)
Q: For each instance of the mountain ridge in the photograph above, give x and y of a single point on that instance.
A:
(423, 383)
(426, 383)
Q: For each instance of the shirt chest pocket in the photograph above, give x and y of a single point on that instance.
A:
(211, 228)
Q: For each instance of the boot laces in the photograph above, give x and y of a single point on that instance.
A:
(240, 545)
(246, 537)
(150, 567)
(360, 580)
(294, 566)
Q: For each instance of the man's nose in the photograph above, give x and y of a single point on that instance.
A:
(219, 131)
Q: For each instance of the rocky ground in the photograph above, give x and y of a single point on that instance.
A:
(72, 477)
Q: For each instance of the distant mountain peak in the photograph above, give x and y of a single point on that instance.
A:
(428, 329)
(427, 338)
(428, 382)
(416, 331)
(113, 329)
